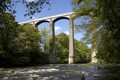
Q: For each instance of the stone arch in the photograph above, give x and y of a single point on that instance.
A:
(71, 38)
(42, 21)
(59, 18)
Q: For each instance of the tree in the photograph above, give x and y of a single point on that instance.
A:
(45, 44)
(8, 31)
(45, 37)
(32, 7)
(23, 48)
(82, 52)
(29, 38)
(62, 45)
(18, 46)
(104, 18)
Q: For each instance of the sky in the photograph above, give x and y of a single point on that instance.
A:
(57, 7)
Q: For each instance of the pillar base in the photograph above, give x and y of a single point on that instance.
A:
(52, 59)
(71, 59)
(94, 60)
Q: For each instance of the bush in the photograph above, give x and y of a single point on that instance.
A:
(21, 61)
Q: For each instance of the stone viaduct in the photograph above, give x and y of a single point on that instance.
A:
(52, 20)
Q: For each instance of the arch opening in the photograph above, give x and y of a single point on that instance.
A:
(40, 22)
(43, 27)
(62, 40)
(60, 18)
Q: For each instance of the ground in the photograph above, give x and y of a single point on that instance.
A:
(62, 72)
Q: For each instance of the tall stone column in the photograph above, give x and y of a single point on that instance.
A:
(94, 59)
(71, 41)
(94, 47)
(33, 23)
(52, 57)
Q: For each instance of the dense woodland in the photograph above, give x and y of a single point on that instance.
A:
(101, 25)
(28, 46)
(24, 45)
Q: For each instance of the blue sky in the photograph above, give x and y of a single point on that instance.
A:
(57, 7)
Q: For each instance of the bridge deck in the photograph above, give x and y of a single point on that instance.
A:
(45, 18)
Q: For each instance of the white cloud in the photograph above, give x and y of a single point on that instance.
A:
(57, 28)
(66, 32)
(29, 0)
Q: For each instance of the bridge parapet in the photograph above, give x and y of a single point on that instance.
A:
(46, 18)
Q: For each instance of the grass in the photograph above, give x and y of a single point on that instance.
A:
(89, 64)
(79, 65)
(101, 67)
(112, 64)
(11, 70)
(76, 72)
(2, 69)
(73, 72)
(83, 65)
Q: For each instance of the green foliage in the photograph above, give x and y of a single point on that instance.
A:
(62, 45)
(32, 7)
(29, 38)
(44, 38)
(45, 44)
(21, 46)
(21, 61)
(102, 27)
(1, 69)
(82, 52)
(73, 72)
(8, 31)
